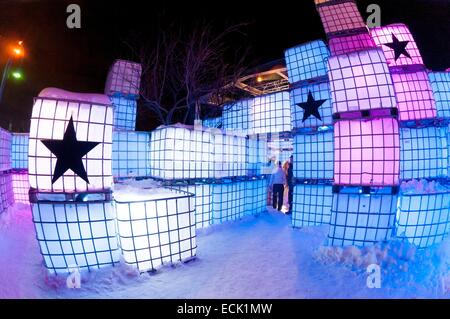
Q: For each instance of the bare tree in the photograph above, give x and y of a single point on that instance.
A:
(182, 69)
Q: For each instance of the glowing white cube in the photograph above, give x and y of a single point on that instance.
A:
(5, 150)
(21, 186)
(311, 205)
(423, 153)
(156, 227)
(314, 155)
(19, 153)
(6, 191)
(203, 202)
(131, 154)
(361, 81)
(76, 234)
(92, 117)
(361, 220)
(256, 154)
(424, 219)
(236, 116)
(124, 78)
(271, 113)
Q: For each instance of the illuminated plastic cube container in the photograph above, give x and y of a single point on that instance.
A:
(236, 116)
(256, 154)
(124, 113)
(440, 84)
(203, 202)
(19, 152)
(271, 113)
(423, 153)
(424, 219)
(385, 35)
(314, 156)
(414, 96)
(20, 186)
(280, 148)
(340, 17)
(361, 81)
(228, 202)
(367, 152)
(6, 191)
(93, 121)
(124, 79)
(216, 122)
(156, 227)
(351, 43)
(319, 92)
(307, 61)
(5, 150)
(311, 205)
(131, 154)
(361, 219)
(255, 196)
(229, 155)
(76, 234)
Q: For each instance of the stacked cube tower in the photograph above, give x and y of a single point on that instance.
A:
(69, 161)
(423, 216)
(366, 141)
(313, 133)
(19, 159)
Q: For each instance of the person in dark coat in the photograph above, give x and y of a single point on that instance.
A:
(278, 181)
(290, 182)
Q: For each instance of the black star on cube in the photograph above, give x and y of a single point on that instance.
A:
(399, 47)
(69, 153)
(311, 107)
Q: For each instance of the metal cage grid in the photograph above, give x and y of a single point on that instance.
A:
(5, 150)
(415, 100)
(300, 95)
(311, 205)
(74, 234)
(342, 17)
(362, 219)
(351, 43)
(361, 81)
(236, 116)
(130, 154)
(424, 219)
(92, 122)
(124, 113)
(257, 158)
(20, 186)
(203, 202)
(367, 152)
(271, 113)
(19, 151)
(307, 61)
(440, 84)
(158, 230)
(423, 153)
(383, 36)
(6, 191)
(314, 156)
(124, 78)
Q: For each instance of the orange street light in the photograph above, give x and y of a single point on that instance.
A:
(18, 50)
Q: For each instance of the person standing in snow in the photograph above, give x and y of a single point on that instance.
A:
(278, 181)
(290, 182)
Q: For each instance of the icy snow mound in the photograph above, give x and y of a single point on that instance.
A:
(59, 94)
(423, 186)
(141, 190)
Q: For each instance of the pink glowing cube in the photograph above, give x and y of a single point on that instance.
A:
(398, 44)
(367, 152)
(340, 17)
(414, 96)
(361, 81)
(124, 78)
(351, 43)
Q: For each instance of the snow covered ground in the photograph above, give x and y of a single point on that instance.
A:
(258, 257)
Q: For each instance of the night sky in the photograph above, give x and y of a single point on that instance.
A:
(78, 59)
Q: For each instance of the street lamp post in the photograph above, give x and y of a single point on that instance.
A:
(16, 52)
(4, 77)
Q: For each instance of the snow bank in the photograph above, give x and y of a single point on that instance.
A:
(59, 94)
(422, 186)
